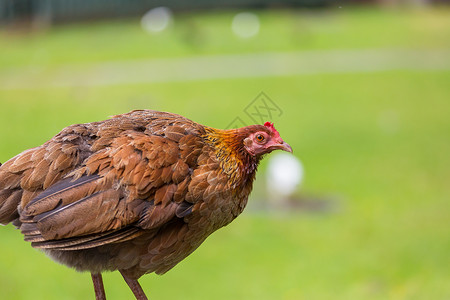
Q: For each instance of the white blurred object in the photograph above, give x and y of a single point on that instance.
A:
(157, 19)
(245, 25)
(284, 175)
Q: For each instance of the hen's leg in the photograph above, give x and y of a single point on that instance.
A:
(98, 286)
(135, 288)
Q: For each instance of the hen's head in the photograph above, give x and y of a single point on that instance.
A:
(262, 139)
(240, 150)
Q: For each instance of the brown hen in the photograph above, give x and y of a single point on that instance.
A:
(136, 193)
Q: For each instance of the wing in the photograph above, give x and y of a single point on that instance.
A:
(125, 175)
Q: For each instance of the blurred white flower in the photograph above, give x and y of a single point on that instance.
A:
(157, 19)
(284, 175)
(245, 25)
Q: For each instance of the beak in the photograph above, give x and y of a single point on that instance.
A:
(282, 145)
(286, 147)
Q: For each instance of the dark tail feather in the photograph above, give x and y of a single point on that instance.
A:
(88, 241)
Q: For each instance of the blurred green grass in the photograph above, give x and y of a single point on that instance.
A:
(378, 141)
(209, 33)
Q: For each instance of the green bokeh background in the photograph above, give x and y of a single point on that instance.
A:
(376, 143)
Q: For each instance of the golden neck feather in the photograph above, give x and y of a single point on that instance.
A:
(233, 158)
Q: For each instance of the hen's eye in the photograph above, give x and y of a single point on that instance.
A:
(259, 137)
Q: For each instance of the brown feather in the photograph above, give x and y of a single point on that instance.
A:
(21, 162)
(9, 200)
(164, 194)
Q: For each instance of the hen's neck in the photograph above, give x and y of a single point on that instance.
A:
(234, 160)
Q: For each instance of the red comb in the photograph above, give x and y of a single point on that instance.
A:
(270, 126)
